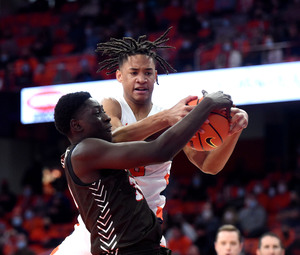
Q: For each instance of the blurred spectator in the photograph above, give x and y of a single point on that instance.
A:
(59, 209)
(252, 217)
(230, 216)
(90, 9)
(5, 58)
(290, 215)
(179, 243)
(25, 78)
(273, 53)
(24, 68)
(85, 73)
(202, 240)
(43, 44)
(228, 57)
(184, 56)
(92, 36)
(8, 42)
(294, 38)
(32, 177)
(76, 34)
(62, 74)
(193, 250)
(196, 189)
(41, 75)
(209, 221)
(8, 198)
(188, 24)
(22, 246)
(17, 220)
(235, 58)
(172, 12)
(279, 197)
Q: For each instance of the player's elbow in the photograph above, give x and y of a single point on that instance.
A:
(211, 170)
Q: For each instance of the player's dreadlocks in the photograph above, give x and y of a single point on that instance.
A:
(119, 50)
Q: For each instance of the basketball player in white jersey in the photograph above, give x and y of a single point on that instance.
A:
(134, 117)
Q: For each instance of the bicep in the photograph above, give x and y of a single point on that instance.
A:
(95, 154)
(113, 109)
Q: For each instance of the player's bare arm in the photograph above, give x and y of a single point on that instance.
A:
(92, 154)
(145, 127)
(213, 162)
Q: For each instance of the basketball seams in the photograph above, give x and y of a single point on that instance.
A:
(212, 137)
(200, 141)
(217, 132)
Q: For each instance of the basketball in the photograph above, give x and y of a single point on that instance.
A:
(215, 132)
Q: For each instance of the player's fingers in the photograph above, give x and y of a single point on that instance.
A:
(204, 92)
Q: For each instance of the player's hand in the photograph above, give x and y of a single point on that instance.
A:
(178, 111)
(219, 100)
(238, 120)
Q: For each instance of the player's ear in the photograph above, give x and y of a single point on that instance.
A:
(119, 76)
(156, 77)
(75, 125)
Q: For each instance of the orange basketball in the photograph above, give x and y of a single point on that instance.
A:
(215, 132)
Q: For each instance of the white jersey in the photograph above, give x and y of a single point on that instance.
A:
(152, 179)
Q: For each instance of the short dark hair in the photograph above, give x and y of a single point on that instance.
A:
(118, 50)
(65, 109)
(230, 228)
(272, 234)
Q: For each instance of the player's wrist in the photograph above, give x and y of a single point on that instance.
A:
(165, 119)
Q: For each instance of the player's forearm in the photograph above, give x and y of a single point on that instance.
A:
(177, 136)
(216, 160)
(142, 129)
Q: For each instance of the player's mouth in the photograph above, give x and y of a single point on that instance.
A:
(141, 89)
(108, 129)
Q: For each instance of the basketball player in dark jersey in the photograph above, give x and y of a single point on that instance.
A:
(109, 200)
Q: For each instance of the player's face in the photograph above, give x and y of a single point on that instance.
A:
(228, 243)
(137, 76)
(270, 245)
(94, 120)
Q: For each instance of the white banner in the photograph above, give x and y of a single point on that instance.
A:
(247, 85)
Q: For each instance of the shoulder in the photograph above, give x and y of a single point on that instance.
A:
(112, 106)
(88, 147)
(107, 101)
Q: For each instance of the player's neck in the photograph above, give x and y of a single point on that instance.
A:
(140, 110)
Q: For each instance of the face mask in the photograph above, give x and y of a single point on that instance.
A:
(257, 189)
(226, 47)
(207, 214)
(241, 192)
(27, 192)
(269, 42)
(272, 192)
(196, 181)
(28, 214)
(281, 188)
(4, 57)
(21, 244)
(229, 216)
(251, 203)
(17, 221)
